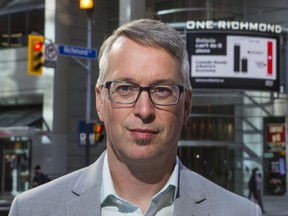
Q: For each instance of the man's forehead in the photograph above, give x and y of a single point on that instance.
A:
(123, 41)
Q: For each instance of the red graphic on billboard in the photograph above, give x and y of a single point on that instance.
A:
(269, 58)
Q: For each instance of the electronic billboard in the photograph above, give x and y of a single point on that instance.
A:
(234, 59)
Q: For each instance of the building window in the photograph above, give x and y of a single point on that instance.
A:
(214, 123)
(15, 27)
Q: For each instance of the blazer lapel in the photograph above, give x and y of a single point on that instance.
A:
(191, 199)
(87, 189)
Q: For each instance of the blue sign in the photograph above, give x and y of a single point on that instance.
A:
(75, 51)
(84, 129)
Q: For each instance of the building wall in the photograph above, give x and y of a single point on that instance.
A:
(266, 12)
(15, 84)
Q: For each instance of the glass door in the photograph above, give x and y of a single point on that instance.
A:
(214, 163)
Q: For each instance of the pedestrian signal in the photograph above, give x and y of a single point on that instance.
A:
(98, 132)
(35, 54)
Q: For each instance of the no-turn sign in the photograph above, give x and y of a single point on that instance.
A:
(50, 55)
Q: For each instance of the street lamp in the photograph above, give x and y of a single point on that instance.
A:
(88, 6)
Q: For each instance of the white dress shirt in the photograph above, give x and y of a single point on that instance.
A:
(162, 203)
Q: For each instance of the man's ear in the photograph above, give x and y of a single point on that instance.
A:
(187, 106)
(99, 102)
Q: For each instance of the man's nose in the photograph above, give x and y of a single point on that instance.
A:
(144, 107)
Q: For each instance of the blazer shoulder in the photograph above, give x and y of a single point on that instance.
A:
(61, 194)
(61, 185)
(216, 199)
(51, 196)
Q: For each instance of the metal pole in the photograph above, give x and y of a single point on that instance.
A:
(88, 89)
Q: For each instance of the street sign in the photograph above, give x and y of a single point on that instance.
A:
(81, 52)
(50, 52)
(50, 55)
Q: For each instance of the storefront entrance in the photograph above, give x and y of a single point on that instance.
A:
(275, 141)
(15, 165)
(214, 163)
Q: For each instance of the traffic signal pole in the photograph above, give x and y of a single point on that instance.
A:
(88, 6)
(88, 68)
(88, 88)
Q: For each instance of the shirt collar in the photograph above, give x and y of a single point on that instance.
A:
(108, 189)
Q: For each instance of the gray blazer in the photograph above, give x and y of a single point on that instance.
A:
(78, 194)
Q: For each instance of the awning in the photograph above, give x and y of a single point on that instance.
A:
(20, 116)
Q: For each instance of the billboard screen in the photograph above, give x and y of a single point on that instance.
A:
(232, 60)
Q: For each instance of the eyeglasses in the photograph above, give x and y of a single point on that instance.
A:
(128, 93)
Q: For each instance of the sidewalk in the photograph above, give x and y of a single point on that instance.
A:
(275, 205)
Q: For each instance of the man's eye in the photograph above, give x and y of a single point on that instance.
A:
(162, 91)
(125, 89)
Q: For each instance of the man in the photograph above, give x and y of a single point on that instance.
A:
(255, 186)
(39, 178)
(143, 96)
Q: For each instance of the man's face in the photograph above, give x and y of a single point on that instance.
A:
(142, 130)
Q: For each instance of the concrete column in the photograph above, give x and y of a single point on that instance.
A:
(51, 153)
(131, 9)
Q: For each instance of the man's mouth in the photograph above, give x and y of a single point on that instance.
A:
(140, 133)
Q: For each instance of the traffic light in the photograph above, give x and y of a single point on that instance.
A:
(98, 132)
(35, 54)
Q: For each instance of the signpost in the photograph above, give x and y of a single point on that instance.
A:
(51, 54)
(89, 54)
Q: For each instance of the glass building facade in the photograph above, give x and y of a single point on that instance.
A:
(39, 115)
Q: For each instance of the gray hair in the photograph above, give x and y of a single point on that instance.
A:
(148, 32)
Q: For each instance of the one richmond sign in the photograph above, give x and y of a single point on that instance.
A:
(234, 55)
(233, 25)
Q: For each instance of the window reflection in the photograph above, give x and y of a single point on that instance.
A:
(214, 123)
